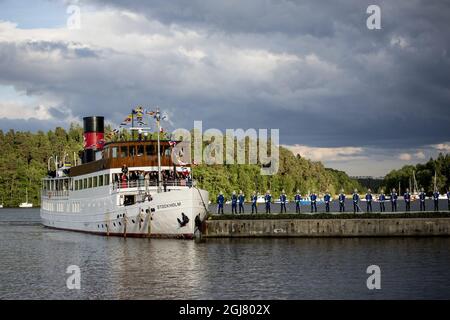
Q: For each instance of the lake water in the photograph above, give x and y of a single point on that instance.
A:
(33, 262)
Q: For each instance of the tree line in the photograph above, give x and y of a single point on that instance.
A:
(425, 176)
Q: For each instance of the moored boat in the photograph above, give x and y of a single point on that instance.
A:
(124, 188)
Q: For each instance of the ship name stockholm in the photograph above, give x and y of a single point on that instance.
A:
(170, 205)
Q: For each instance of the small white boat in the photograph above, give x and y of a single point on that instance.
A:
(26, 204)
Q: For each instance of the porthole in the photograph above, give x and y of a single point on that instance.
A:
(120, 224)
(133, 221)
(114, 224)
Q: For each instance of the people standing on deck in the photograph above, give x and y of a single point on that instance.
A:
(124, 169)
(382, 199)
(422, 197)
(369, 199)
(436, 200)
(124, 181)
(298, 198)
(327, 199)
(141, 179)
(313, 198)
(342, 201)
(241, 200)
(394, 197)
(254, 202)
(283, 202)
(234, 201)
(220, 202)
(407, 198)
(355, 198)
(268, 200)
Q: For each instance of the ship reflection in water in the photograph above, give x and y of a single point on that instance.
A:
(34, 261)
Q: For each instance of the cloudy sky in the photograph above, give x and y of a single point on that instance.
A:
(365, 101)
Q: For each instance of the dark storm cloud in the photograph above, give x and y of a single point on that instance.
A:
(396, 80)
(32, 124)
(345, 85)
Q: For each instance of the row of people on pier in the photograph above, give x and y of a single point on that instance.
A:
(238, 200)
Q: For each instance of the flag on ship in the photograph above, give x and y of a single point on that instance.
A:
(127, 120)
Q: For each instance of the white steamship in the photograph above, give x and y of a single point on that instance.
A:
(125, 188)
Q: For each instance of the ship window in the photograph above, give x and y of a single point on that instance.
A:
(89, 183)
(140, 150)
(106, 179)
(115, 152)
(85, 184)
(129, 200)
(132, 151)
(76, 185)
(94, 182)
(124, 151)
(106, 153)
(100, 181)
(150, 150)
(167, 152)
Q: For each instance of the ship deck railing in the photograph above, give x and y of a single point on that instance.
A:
(144, 184)
(56, 193)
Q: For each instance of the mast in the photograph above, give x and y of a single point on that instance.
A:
(158, 118)
(416, 187)
(435, 182)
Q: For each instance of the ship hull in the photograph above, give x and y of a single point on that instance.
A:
(162, 217)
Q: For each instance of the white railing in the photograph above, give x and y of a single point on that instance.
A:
(142, 184)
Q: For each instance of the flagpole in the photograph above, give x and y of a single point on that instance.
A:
(132, 124)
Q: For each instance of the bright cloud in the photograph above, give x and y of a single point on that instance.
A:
(328, 154)
(405, 157)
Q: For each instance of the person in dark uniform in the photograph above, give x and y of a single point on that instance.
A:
(234, 200)
(407, 198)
(241, 201)
(342, 201)
(369, 199)
(448, 199)
(355, 198)
(382, 199)
(327, 199)
(298, 198)
(220, 202)
(254, 202)
(313, 198)
(422, 197)
(436, 200)
(268, 200)
(394, 197)
(283, 199)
